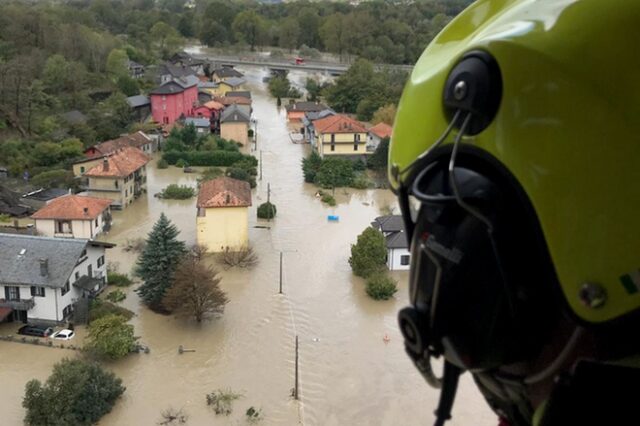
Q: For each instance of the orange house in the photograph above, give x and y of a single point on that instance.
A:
(296, 111)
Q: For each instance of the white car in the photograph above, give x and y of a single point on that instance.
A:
(63, 334)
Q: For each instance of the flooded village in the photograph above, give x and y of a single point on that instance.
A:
(351, 362)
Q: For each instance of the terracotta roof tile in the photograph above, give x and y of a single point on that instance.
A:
(136, 140)
(338, 124)
(73, 207)
(120, 164)
(224, 192)
(214, 105)
(381, 130)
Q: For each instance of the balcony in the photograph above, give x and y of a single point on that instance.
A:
(66, 234)
(18, 304)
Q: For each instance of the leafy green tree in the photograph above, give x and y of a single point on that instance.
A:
(369, 254)
(379, 159)
(309, 22)
(381, 286)
(117, 64)
(56, 73)
(110, 337)
(288, 33)
(47, 153)
(249, 27)
(334, 173)
(385, 114)
(279, 88)
(128, 86)
(267, 210)
(158, 262)
(314, 89)
(196, 291)
(165, 36)
(56, 178)
(78, 392)
(310, 166)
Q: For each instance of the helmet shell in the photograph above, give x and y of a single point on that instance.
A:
(567, 130)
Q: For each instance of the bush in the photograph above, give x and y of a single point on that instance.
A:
(361, 182)
(101, 308)
(4, 217)
(221, 400)
(78, 392)
(310, 166)
(359, 165)
(54, 179)
(328, 199)
(118, 280)
(162, 164)
(204, 158)
(241, 174)
(181, 163)
(177, 192)
(369, 254)
(116, 296)
(381, 287)
(211, 173)
(267, 210)
(110, 337)
(245, 257)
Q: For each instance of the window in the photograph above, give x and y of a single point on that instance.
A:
(65, 289)
(81, 169)
(164, 98)
(116, 183)
(333, 147)
(333, 138)
(355, 146)
(90, 270)
(77, 276)
(37, 291)
(63, 226)
(100, 261)
(67, 310)
(96, 221)
(404, 260)
(12, 293)
(126, 192)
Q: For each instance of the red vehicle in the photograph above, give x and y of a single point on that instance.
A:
(299, 61)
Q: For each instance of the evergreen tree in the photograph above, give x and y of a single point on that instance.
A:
(369, 254)
(158, 262)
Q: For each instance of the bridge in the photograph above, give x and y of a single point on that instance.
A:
(331, 68)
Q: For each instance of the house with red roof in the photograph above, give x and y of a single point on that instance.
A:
(222, 221)
(174, 99)
(137, 140)
(340, 135)
(376, 134)
(74, 216)
(121, 177)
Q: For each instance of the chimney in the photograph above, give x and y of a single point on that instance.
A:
(295, 106)
(105, 165)
(228, 199)
(86, 211)
(44, 267)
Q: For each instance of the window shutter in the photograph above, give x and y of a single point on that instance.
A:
(33, 291)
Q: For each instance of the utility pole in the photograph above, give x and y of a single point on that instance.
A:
(280, 273)
(260, 164)
(295, 389)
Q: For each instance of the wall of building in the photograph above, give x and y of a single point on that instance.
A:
(81, 168)
(394, 259)
(344, 144)
(106, 188)
(79, 228)
(295, 115)
(235, 131)
(223, 227)
(372, 142)
(172, 106)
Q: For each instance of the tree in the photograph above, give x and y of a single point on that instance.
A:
(310, 166)
(158, 262)
(334, 173)
(314, 89)
(288, 33)
(309, 20)
(385, 114)
(378, 160)
(267, 210)
(165, 36)
(56, 74)
(117, 64)
(78, 392)
(128, 85)
(249, 27)
(369, 254)
(279, 87)
(196, 291)
(110, 337)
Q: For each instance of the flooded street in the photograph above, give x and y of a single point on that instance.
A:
(348, 374)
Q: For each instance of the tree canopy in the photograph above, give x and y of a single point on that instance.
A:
(369, 254)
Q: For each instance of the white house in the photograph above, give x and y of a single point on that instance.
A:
(398, 254)
(74, 216)
(41, 278)
(376, 134)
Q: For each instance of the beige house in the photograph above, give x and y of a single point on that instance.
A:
(83, 166)
(340, 135)
(121, 177)
(223, 219)
(74, 216)
(234, 125)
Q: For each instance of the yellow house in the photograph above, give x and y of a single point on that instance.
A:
(340, 135)
(233, 84)
(222, 221)
(121, 177)
(83, 166)
(234, 125)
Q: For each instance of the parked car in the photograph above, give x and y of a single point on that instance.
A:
(65, 334)
(35, 330)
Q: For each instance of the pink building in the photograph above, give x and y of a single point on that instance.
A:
(173, 99)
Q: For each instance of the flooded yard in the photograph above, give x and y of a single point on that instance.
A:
(348, 374)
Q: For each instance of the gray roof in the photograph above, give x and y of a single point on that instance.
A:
(134, 64)
(233, 114)
(207, 85)
(388, 223)
(62, 255)
(315, 115)
(396, 240)
(306, 106)
(198, 122)
(239, 94)
(235, 81)
(176, 71)
(138, 101)
(225, 72)
(46, 194)
(177, 85)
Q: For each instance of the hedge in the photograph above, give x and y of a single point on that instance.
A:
(204, 158)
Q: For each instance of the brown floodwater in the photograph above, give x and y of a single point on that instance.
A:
(348, 374)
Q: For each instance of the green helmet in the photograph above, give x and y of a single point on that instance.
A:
(515, 158)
